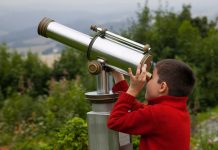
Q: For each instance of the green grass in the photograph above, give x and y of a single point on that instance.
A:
(206, 115)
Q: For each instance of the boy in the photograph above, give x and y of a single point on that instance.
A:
(164, 123)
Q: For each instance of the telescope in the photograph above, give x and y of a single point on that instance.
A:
(117, 52)
(105, 51)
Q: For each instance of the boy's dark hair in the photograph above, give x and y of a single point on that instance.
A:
(179, 77)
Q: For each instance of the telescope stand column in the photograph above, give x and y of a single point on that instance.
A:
(102, 101)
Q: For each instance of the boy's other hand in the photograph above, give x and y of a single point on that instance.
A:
(137, 81)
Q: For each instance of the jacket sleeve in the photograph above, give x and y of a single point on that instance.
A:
(122, 119)
(123, 86)
(120, 86)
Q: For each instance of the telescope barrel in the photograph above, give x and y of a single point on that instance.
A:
(117, 56)
(51, 29)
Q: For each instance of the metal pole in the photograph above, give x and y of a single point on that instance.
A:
(102, 101)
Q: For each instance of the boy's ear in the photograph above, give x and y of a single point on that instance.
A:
(163, 88)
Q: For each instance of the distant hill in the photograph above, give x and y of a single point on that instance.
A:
(19, 30)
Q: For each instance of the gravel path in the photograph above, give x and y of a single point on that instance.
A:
(209, 127)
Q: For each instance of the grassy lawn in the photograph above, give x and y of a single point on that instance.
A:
(206, 115)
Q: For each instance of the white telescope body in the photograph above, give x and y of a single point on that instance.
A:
(117, 55)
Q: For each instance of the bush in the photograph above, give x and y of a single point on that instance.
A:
(73, 135)
(32, 123)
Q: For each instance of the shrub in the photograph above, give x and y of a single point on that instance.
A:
(73, 135)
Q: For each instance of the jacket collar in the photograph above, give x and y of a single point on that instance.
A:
(178, 102)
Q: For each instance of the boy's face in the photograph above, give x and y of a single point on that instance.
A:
(153, 87)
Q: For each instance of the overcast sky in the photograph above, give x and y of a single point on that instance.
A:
(19, 18)
(21, 14)
(199, 7)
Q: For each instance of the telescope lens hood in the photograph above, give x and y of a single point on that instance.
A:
(42, 27)
(147, 60)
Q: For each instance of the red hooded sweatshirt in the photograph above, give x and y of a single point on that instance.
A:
(164, 124)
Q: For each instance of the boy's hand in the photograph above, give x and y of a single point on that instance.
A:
(117, 76)
(137, 81)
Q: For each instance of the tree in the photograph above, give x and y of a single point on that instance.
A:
(139, 31)
(185, 13)
(4, 69)
(73, 135)
(188, 41)
(73, 65)
(208, 71)
(32, 122)
(20, 74)
(164, 33)
(36, 75)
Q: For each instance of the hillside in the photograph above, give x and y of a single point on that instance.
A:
(19, 29)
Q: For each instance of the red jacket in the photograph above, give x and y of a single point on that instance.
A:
(164, 124)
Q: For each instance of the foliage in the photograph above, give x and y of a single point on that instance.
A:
(211, 112)
(27, 75)
(206, 142)
(73, 65)
(36, 75)
(135, 141)
(70, 64)
(66, 100)
(73, 135)
(19, 109)
(29, 123)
